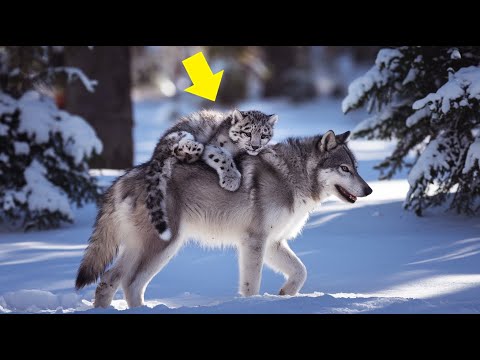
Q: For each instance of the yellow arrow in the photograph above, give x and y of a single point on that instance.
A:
(205, 83)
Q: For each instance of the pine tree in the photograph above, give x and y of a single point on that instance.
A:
(43, 150)
(427, 98)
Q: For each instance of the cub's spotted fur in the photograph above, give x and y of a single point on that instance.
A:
(214, 137)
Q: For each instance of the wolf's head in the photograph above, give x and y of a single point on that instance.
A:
(337, 172)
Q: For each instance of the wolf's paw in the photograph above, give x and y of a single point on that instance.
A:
(231, 181)
(282, 292)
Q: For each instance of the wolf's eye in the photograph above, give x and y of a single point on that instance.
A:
(245, 133)
(344, 168)
(264, 136)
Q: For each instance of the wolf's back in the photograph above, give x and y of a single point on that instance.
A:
(103, 244)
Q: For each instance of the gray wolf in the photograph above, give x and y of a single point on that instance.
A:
(280, 187)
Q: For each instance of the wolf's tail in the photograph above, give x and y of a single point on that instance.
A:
(102, 248)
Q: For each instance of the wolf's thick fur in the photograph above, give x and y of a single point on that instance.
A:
(280, 187)
(212, 136)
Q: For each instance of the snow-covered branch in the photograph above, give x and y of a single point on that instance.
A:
(73, 73)
(462, 87)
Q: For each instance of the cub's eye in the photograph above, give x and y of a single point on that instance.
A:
(245, 133)
(344, 168)
(264, 136)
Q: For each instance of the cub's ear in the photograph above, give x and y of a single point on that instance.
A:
(328, 141)
(273, 119)
(236, 116)
(342, 137)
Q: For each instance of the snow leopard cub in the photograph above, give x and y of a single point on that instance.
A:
(212, 136)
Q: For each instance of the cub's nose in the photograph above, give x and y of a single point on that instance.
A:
(255, 147)
(368, 190)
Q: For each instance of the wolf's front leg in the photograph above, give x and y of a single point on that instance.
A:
(281, 258)
(250, 261)
(223, 163)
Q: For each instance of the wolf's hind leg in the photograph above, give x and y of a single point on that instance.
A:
(108, 286)
(222, 162)
(281, 258)
(147, 266)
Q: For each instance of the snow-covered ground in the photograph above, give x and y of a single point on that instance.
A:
(362, 258)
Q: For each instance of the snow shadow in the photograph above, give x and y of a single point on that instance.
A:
(380, 250)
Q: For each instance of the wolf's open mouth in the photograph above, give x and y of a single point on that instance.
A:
(349, 197)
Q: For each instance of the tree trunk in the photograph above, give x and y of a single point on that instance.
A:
(109, 108)
(280, 60)
(289, 72)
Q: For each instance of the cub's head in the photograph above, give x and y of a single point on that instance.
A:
(251, 130)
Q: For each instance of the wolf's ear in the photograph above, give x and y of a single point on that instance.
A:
(328, 141)
(272, 119)
(236, 116)
(342, 137)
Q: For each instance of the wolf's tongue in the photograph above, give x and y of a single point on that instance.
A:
(346, 194)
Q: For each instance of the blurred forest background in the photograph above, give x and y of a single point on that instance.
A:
(296, 73)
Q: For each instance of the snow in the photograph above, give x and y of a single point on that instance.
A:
(11, 196)
(37, 300)
(369, 257)
(433, 158)
(473, 156)
(430, 159)
(14, 72)
(455, 55)
(464, 85)
(386, 57)
(8, 201)
(3, 129)
(36, 118)
(42, 194)
(21, 148)
(374, 121)
(82, 140)
(359, 87)
(411, 76)
(73, 73)
(7, 103)
(40, 117)
(418, 115)
(377, 76)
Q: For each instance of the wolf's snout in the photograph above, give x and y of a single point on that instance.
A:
(367, 190)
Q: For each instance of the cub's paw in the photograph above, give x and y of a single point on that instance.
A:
(231, 181)
(188, 150)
